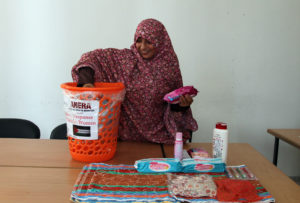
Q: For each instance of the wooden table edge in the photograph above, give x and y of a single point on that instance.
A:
(276, 134)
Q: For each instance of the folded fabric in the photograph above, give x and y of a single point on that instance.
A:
(236, 190)
(173, 97)
(201, 185)
(153, 165)
(98, 182)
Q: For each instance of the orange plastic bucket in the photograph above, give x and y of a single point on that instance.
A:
(92, 116)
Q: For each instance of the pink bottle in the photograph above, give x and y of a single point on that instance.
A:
(178, 147)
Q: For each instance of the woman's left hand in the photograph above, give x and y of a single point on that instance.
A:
(185, 100)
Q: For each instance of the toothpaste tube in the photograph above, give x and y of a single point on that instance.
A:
(154, 165)
(173, 97)
(198, 165)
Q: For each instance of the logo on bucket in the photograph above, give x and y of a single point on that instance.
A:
(204, 167)
(82, 118)
(159, 166)
(82, 131)
(80, 105)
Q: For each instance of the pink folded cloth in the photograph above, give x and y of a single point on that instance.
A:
(173, 97)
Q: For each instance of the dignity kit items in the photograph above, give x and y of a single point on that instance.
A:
(198, 178)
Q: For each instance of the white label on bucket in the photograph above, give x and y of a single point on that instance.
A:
(82, 118)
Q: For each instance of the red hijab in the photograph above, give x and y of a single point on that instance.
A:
(145, 116)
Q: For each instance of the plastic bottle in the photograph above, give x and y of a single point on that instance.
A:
(178, 147)
(220, 141)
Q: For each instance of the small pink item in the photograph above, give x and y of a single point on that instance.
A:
(173, 97)
(198, 153)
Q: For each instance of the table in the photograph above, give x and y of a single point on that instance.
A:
(55, 153)
(34, 170)
(40, 170)
(36, 184)
(291, 136)
(281, 187)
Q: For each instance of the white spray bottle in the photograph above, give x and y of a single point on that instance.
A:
(220, 141)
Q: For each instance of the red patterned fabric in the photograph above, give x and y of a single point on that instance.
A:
(145, 116)
(236, 190)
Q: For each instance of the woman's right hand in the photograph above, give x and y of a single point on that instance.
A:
(88, 85)
(185, 100)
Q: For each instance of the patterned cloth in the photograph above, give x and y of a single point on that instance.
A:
(201, 185)
(145, 116)
(99, 182)
(108, 183)
(230, 190)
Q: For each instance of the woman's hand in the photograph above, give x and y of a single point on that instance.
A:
(185, 100)
(88, 85)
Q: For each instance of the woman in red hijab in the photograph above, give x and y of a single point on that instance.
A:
(149, 70)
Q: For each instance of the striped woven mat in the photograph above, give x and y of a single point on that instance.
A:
(98, 182)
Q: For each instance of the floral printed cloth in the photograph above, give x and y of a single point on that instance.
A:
(192, 186)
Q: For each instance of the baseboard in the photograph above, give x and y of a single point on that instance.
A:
(296, 179)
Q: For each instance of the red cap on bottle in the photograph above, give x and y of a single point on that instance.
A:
(221, 125)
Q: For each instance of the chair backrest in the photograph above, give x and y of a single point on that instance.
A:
(59, 132)
(18, 128)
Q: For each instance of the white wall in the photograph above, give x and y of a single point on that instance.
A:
(243, 56)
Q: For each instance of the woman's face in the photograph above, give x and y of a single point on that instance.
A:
(145, 48)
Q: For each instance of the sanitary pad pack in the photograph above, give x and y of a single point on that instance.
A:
(173, 97)
(190, 165)
(202, 164)
(153, 165)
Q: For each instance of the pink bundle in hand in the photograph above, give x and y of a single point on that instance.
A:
(173, 97)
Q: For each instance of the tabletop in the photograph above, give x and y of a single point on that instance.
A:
(43, 177)
(281, 187)
(36, 184)
(291, 136)
(55, 153)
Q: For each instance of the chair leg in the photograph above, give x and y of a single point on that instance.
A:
(163, 150)
(191, 136)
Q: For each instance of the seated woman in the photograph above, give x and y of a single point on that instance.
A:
(149, 70)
